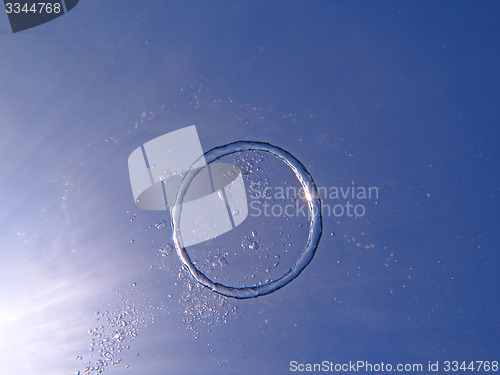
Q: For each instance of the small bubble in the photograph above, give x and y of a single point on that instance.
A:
(166, 250)
(236, 212)
(223, 262)
(132, 240)
(161, 224)
(249, 243)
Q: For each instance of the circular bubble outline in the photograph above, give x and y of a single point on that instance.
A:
(313, 204)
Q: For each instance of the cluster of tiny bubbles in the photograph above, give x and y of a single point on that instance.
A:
(116, 328)
(250, 242)
(203, 309)
(114, 333)
(213, 262)
(166, 250)
(249, 164)
(161, 224)
(255, 262)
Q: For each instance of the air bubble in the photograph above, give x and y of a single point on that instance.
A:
(166, 250)
(249, 243)
(161, 224)
(313, 204)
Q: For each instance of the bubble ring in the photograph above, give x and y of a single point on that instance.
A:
(315, 225)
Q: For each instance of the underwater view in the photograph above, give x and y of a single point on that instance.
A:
(249, 187)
